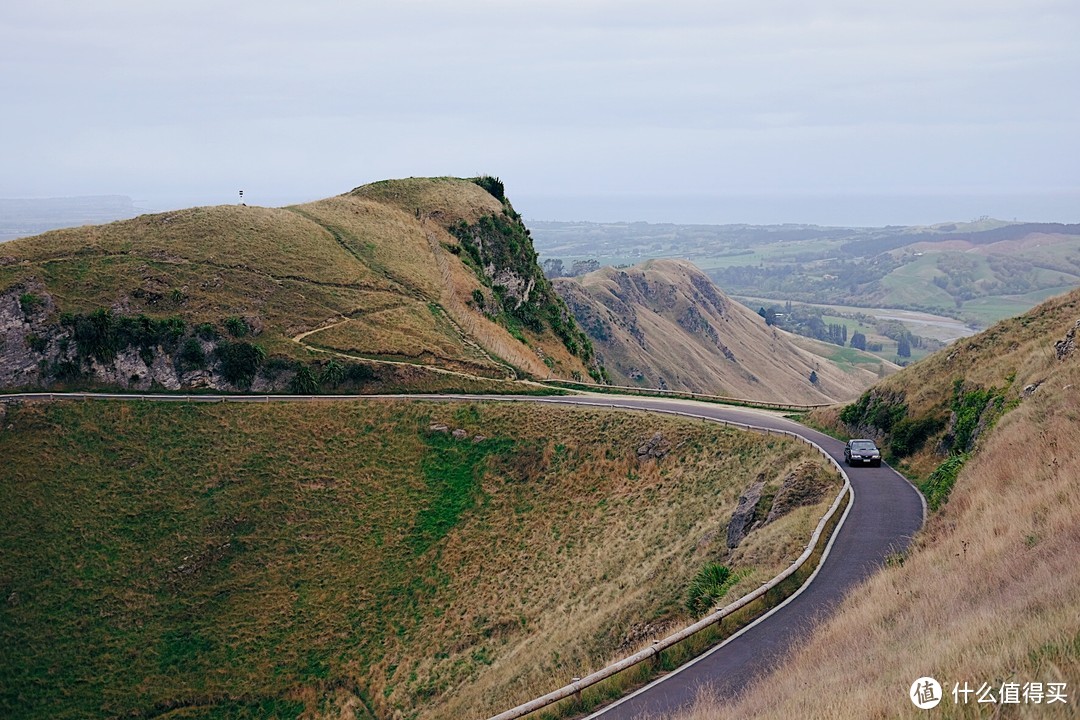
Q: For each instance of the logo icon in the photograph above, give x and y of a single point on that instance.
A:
(925, 693)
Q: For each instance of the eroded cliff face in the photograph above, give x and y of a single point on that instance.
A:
(25, 336)
(516, 294)
(41, 348)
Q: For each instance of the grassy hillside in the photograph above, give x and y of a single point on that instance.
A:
(664, 324)
(354, 560)
(382, 274)
(980, 272)
(988, 592)
(939, 407)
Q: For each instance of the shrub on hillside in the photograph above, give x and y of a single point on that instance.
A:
(937, 487)
(877, 411)
(102, 334)
(910, 434)
(30, 302)
(358, 373)
(972, 411)
(332, 375)
(493, 185)
(206, 331)
(192, 356)
(239, 362)
(236, 326)
(304, 382)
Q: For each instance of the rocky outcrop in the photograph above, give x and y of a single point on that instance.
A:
(1067, 345)
(805, 485)
(37, 349)
(654, 448)
(745, 515)
(26, 337)
(456, 433)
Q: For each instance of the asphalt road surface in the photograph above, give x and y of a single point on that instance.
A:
(886, 513)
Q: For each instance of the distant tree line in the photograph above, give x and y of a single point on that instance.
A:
(554, 267)
(809, 322)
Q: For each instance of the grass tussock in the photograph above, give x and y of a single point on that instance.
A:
(344, 560)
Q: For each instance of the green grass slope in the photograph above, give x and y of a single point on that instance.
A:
(351, 560)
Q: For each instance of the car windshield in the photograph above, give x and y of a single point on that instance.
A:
(863, 445)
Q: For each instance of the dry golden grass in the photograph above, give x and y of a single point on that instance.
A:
(324, 581)
(415, 332)
(621, 591)
(399, 227)
(989, 592)
(655, 316)
(444, 199)
(388, 239)
(273, 242)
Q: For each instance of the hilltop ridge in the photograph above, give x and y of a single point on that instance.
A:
(378, 282)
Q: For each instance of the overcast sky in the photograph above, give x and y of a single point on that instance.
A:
(841, 111)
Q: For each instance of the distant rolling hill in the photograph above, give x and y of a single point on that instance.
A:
(664, 324)
(397, 275)
(978, 272)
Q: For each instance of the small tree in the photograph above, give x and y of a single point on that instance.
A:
(553, 268)
(858, 341)
(581, 267)
(239, 362)
(305, 382)
(813, 377)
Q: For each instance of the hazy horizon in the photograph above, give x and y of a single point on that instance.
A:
(851, 210)
(837, 112)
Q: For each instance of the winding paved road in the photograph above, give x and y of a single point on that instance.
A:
(886, 513)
